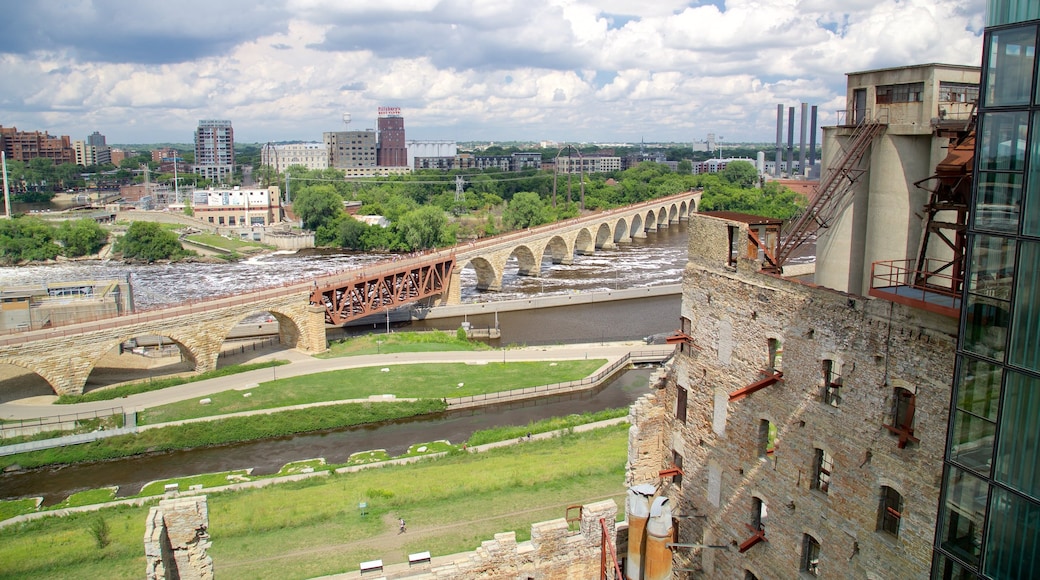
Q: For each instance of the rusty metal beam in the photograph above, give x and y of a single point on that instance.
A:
(758, 385)
(351, 299)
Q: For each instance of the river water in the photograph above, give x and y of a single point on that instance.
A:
(268, 456)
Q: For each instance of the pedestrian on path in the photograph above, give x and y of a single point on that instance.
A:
(402, 527)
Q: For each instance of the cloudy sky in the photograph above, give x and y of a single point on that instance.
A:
(558, 70)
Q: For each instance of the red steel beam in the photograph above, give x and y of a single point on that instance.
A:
(349, 300)
(756, 386)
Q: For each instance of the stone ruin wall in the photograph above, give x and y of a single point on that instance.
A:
(876, 345)
(176, 540)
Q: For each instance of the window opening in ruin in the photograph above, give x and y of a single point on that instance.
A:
(903, 417)
(748, 575)
(776, 355)
(890, 512)
(734, 240)
(766, 439)
(831, 384)
(810, 555)
(677, 460)
(758, 513)
(823, 464)
(680, 405)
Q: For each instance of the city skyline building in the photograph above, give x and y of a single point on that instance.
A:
(215, 150)
(393, 148)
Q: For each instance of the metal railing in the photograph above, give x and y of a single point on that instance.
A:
(56, 421)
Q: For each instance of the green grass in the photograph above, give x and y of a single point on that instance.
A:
(17, 507)
(436, 341)
(222, 431)
(404, 381)
(228, 243)
(362, 457)
(89, 497)
(205, 480)
(299, 467)
(314, 528)
(144, 387)
(508, 432)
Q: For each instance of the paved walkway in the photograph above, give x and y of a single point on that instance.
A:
(302, 364)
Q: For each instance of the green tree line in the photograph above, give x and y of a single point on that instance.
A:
(423, 211)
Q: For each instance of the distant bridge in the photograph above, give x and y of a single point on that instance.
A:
(65, 356)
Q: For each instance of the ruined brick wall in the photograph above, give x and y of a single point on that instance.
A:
(875, 346)
(176, 540)
(553, 553)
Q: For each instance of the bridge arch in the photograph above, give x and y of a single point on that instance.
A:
(604, 236)
(638, 229)
(527, 264)
(584, 242)
(488, 277)
(620, 233)
(559, 250)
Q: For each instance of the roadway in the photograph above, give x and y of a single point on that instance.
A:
(302, 364)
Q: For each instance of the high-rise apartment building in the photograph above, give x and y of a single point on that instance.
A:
(989, 514)
(393, 151)
(25, 146)
(215, 150)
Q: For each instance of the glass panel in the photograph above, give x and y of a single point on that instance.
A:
(1009, 71)
(1008, 11)
(963, 515)
(1012, 541)
(978, 388)
(947, 569)
(1025, 332)
(971, 442)
(1018, 454)
(1003, 144)
(1031, 217)
(989, 288)
(998, 201)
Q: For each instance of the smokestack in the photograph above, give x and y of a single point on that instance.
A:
(779, 138)
(801, 140)
(790, 141)
(812, 139)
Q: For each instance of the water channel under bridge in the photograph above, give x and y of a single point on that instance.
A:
(64, 356)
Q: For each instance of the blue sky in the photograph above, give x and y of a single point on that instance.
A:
(553, 70)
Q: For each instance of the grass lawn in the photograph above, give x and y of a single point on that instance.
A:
(435, 381)
(398, 342)
(228, 243)
(314, 527)
(147, 386)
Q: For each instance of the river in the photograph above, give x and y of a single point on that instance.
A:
(268, 456)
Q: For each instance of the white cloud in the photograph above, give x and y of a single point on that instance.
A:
(577, 70)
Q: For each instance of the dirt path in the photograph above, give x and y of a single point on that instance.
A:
(391, 542)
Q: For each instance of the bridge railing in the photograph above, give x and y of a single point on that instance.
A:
(18, 427)
(643, 356)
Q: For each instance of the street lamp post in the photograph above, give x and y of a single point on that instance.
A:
(388, 320)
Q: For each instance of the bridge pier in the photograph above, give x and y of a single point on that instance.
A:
(311, 338)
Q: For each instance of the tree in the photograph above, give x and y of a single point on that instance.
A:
(350, 233)
(316, 205)
(423, 228)
(740, 173)
(685, 167)
(526, 209)
(148, 242)
(81, 237)
(26, 239)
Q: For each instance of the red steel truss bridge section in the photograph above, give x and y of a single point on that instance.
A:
(371, 292)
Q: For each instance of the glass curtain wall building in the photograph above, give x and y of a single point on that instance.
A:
(989, 514)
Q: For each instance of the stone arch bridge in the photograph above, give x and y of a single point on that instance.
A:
(66, 355)
(562, 240)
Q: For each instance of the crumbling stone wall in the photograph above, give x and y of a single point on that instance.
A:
(876, 345)
(553, 553)
(176, 540)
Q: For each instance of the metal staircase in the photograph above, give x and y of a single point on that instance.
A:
(832, 195)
